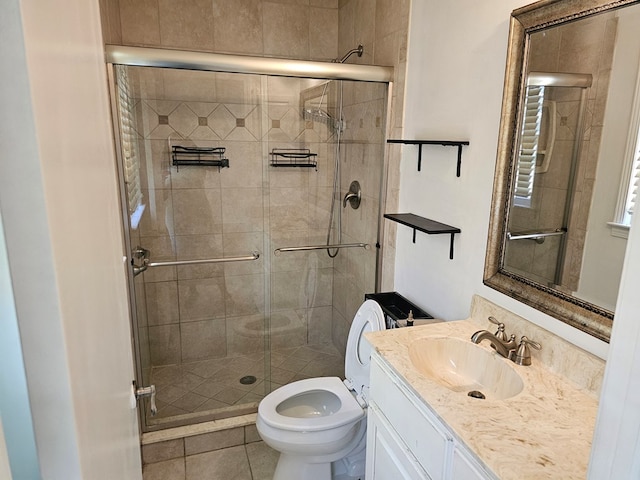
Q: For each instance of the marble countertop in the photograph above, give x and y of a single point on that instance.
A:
(545, 431)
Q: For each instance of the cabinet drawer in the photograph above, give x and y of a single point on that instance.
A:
(414, 424)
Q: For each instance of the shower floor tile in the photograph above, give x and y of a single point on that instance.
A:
(210, 385)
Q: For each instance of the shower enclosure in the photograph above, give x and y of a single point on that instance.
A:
(546, 233)
(233, 184)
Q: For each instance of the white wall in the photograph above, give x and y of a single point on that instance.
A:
(456, 66)
(14, 396)
(457, 53)
(59, 201)
(603, 252)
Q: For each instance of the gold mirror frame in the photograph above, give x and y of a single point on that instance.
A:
(524, 21)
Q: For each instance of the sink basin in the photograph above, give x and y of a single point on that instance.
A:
(463, 366)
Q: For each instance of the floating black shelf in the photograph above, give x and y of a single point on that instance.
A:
(444, 143)
(430, 227)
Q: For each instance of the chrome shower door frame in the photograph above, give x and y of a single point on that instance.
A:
(201, 61)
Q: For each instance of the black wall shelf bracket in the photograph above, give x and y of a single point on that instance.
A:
(425, 225)
(444, 143)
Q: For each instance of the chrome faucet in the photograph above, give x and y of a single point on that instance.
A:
(505, 348)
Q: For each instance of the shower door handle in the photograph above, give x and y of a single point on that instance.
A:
(149, 391)
(139, 254)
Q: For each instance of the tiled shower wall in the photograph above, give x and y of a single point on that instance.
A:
(302, 29)
(567, 49)
(211, 311)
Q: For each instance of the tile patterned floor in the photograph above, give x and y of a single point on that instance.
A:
(253, 461)
(211, 385)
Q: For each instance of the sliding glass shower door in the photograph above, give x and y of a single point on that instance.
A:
(218, 171)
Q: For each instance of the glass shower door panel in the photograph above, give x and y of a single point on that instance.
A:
(200, 325)
(312, 293)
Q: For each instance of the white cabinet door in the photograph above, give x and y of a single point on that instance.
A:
(466, 468)
(388, 458)
(419, 429)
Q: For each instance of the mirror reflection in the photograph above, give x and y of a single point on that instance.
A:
(575, 171)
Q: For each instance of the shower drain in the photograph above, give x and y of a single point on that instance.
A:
(248, 380)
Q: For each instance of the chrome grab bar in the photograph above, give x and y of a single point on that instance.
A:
(143, 253)
(253, 256)
(278, 251)
(536, 235)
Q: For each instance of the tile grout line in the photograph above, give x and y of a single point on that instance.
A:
(246, 454)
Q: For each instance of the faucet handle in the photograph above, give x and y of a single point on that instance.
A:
(523, 354)
(500, 333)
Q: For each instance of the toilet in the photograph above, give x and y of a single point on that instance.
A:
(319, 424)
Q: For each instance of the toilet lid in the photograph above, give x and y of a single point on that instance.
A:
(369, 318)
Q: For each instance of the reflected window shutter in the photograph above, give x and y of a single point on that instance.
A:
(128, 138)
(526, 167)
(634, 182)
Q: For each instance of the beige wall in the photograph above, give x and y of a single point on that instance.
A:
(302, 29)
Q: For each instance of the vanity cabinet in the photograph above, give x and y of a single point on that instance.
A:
(405, 440)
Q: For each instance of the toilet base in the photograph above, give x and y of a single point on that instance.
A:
(290, 467)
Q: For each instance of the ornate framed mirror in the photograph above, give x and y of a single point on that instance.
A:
(568, 142)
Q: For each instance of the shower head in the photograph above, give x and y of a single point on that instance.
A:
(358, 50)
(321, 116)
(318, 115)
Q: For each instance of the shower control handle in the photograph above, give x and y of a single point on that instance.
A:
(149, 391)
(353, 196)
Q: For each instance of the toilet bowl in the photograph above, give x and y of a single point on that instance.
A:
(319, 424)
